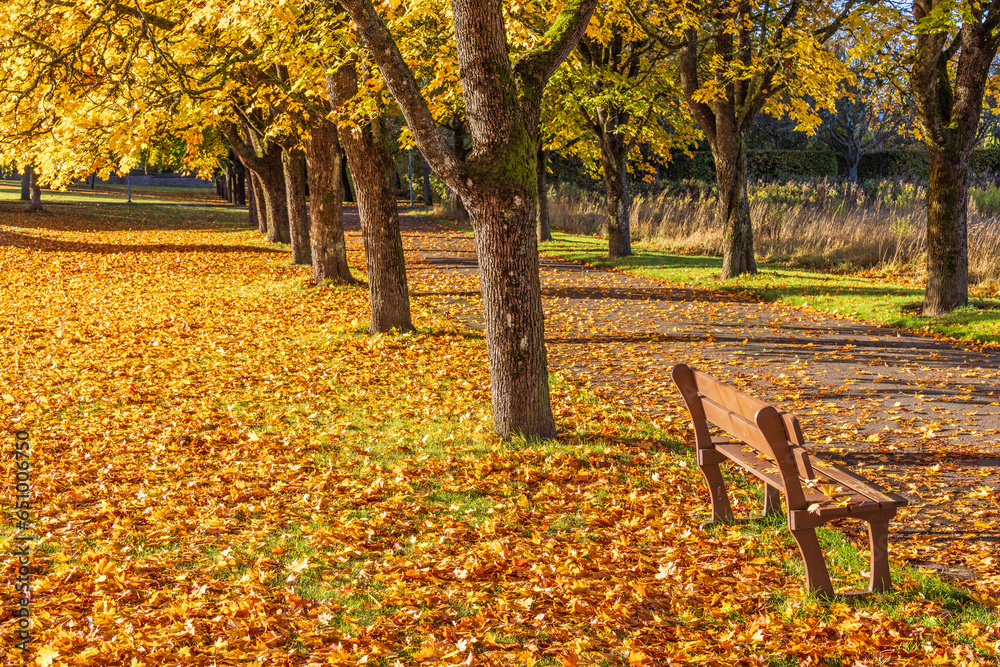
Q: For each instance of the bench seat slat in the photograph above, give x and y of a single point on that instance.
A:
(862, 486)
(761, 468)
(858, 503)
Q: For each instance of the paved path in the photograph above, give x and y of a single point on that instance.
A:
(919, 415)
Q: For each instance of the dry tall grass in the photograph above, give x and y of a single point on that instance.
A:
(813, 223)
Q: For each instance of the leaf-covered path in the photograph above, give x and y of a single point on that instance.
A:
(919, 415)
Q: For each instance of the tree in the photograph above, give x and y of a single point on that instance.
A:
(263, 157)
(497, 181)
(366, 144)
(611, 98)
(874, 111)
(736, 59)
(956, 43)
(36, 192)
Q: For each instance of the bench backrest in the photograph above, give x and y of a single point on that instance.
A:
(774, 434)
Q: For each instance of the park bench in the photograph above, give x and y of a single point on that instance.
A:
(771, 447)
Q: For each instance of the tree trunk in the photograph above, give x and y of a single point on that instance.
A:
(326, 214)
(272, 183)
(461, 213)
(947, 230)
(369, 156)
(254, 220)
(348, 190)
(265, 163)
(241, 185)
(295, 197)
(852, 167)
(948, 95)
(614, 167)
(542, 230)
(503, 218)
(425, 168)
(730, 152)
(26, 183)
(259, 203)
(231, 183)
(36, 193)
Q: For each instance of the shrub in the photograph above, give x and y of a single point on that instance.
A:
(761, 165)
(894, 163)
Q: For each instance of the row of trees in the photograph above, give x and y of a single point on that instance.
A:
(486, 89)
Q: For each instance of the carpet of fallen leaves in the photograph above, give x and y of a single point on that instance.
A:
(227, 470)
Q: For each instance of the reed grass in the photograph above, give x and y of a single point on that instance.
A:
(833, 225)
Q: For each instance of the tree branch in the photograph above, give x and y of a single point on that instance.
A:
(398, 77)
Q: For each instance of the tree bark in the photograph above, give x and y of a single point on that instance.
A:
(241, 185)
(369, 156)
(947, 230)
(852, 167)
(326, 213)
(36, 193)
(461, 213)
(542, 230)
(730, 153)
(272, 183)
(295, 197)
(26, 183)
(949, 96)
(231, 183)
(613, 164)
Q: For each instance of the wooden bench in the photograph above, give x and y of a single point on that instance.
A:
(771, 448)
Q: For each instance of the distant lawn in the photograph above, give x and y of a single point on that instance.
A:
(116, 194)
(872, 296)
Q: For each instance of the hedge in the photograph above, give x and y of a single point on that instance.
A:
(912, 163)
(763, 165)
(893, 163)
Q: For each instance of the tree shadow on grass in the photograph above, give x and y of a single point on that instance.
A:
(97, 218)
(42, 244)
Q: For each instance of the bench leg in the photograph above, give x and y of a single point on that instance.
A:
(772, 500)
(722, 511)
(878, 542)
(817, 576)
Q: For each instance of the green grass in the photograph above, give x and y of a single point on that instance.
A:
(846, 559)
(877, 298)
(116, 194)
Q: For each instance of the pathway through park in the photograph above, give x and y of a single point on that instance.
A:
(918, 415)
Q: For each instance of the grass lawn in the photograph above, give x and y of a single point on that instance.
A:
(228, 470)
(10, 191)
